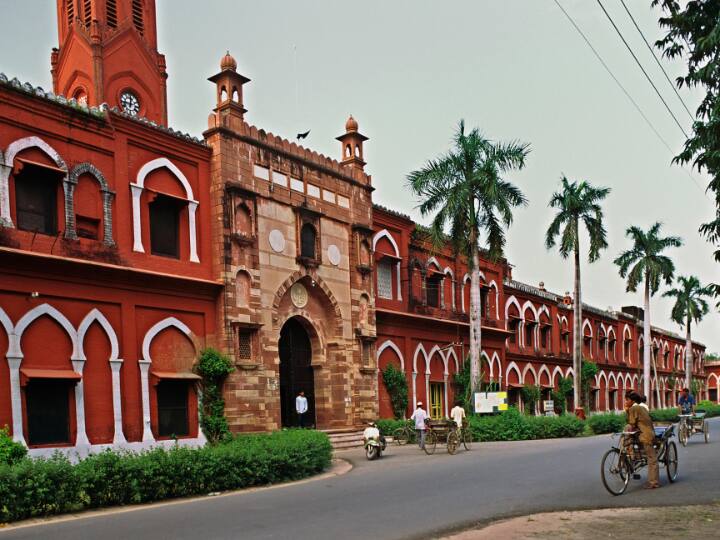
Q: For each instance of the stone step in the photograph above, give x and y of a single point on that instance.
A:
(342, 439)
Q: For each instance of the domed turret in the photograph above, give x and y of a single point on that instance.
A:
(352, 145)
(228, 63)
(351, 124)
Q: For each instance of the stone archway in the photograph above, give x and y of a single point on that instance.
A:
(296, 372)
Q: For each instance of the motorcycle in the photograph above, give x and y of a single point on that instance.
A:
(373, 442)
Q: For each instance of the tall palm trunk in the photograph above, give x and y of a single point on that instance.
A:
(577, 326)
(646, 339)
(688, 355)
(658, 403)
(475, 322)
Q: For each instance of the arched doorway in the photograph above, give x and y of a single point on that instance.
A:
(296, 374)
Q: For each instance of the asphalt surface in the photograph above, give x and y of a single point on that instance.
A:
(407, 494)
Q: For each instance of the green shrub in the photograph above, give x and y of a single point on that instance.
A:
(512, 425)
(10, 451)
(397, 388)
(213, 367)
(664, 415)
(52, 486)
(388, 425)
(606, 423)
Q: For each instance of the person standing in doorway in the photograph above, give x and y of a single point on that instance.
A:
(420, 416)
(301, 407)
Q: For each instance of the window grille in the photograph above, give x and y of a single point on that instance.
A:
(244, 345)
(111, 13)
(137, 16)
(70, 12)
(384, 279)
(87, 12)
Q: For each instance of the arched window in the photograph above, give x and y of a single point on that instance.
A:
(384, 278)
(165, 225)
(235, 95)
(308, 238)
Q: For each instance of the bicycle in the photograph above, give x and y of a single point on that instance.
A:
(404, 435)
(463, 435)
(623, 461)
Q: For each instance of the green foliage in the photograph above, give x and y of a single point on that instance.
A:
(695, 387)
(690, 304)
(587, 375)
(606, 423)
(530, 394)
(692, 36)
(559, 396)
(10, 451)
(515, 426)
(213, 367)
(463, 390)
(388, 425)
(397, 388)
(51, 486)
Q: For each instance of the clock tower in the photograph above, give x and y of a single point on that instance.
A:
(108, 54)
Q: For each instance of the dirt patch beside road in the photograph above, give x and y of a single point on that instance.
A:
(700, 521)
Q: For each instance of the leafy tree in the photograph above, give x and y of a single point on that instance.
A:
(693, 33)
(559, 396)
(690, 305)
(587, 374)
(213, 367)
(397, 388)
(577, 204)
(466, 190)
(531, 394)
(645, 262)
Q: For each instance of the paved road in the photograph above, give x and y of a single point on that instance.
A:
(407, 494)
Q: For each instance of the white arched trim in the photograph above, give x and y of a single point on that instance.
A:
(510, 302)
(32, 315)
(613, 379)
(385, 234)
(434, 261)
(6, 323)
(466, 278)
(451, 353)
(388, 344)
(136, 190)
(570, 372)
(448, 271)
(431, 354)
(493, 285)
(556, 371)
(418, 351)
(529, 305)
(544, 369)
(531, 369)
(96, 315)
(544, 309)
(628, 381)
(626, 332)
(159, 327)
(159, 163)
(484, 355)
(587, 323)
(512, 366)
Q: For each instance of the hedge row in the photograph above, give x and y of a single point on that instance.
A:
(39, 487)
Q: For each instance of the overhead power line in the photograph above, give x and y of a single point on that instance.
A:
(632, 53)
(623, 89)
(659, 63)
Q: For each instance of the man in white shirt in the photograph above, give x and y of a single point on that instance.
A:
(420, 416)
(301, 407)
(458, 414)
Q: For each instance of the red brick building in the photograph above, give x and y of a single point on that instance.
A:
(126, 247)
(106, 279)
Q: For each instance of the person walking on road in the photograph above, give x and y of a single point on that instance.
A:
(639, 419)
(420, 416)
(458, 414)
(301, 407)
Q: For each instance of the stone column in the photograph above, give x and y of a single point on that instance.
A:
(192, 208)
(108, 197)
(69, 190)
(136, 217)
(119, 436)
(15, 399)
(81, 438)
(414, 390)
(427, 392)
(399, 285)
(445, 380)
(5, 218)
(145, 386)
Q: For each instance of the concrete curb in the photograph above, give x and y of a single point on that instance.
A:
(338, 467)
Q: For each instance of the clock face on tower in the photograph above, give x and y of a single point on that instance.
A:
(130, 103)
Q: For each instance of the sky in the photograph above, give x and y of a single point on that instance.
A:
(408, 71)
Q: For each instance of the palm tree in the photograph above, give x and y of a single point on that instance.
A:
(645, 262)
(690, 305)
(466, 189)
(577, 202)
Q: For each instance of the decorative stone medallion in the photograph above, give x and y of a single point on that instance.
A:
(299, 295)
(277, 241)
(333, 253)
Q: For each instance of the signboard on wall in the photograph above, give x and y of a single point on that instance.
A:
(548, 405)
(490, 402)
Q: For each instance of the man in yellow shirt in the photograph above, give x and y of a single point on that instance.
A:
(639, 419)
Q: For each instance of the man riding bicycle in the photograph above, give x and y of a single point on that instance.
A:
(686, 402)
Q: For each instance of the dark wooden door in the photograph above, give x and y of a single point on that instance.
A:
(296, 374)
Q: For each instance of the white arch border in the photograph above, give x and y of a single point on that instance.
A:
(389, 344)
(385, 234)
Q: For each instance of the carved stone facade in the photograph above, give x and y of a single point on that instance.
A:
(294, 246)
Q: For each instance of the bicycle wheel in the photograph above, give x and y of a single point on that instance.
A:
(615, 472)
(706, 431)
(401, 436)
(430, 443)
(683, 434)
(452, 442)
(467, 439)
(671, 461)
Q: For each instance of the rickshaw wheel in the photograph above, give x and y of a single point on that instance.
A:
(452, 442)
(430, 442)
(706, 431)
(671, 461)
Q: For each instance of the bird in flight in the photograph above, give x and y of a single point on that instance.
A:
(303, 135)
